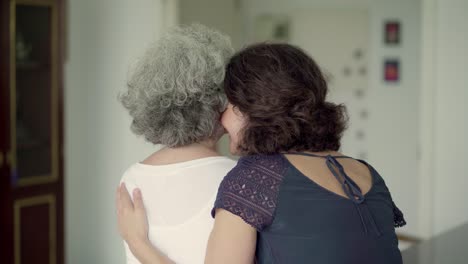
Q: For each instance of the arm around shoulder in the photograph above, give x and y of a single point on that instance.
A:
(232, 240)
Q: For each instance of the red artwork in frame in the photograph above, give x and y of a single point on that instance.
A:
(392, 70)
(392, 32)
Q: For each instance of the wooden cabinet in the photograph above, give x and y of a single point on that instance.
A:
(31, 129)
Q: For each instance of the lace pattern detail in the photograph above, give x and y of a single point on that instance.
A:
(398, 218)
(250, 190)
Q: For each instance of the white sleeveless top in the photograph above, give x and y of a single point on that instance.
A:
(178, 199)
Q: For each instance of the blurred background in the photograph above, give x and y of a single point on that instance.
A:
(400, 67)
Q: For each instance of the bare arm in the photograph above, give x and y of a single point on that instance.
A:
(231, 240)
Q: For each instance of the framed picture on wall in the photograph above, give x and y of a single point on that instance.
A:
(391, 70)
(269, 27)
(392, 32)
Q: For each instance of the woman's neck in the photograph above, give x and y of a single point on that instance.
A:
(321, 153)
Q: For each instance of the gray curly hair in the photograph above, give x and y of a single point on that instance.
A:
(175, 94)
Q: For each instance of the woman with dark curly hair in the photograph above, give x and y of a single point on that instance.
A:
(292, 197)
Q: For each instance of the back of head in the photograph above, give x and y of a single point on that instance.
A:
(175, 94)
(282, 93)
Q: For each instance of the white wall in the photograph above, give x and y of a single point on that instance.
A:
(426, 131)
(253, 8)
(104, 37)
(450, 121)
(222, 15)
(332, 37)
(394, 108)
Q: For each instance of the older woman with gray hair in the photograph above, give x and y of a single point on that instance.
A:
(175, 98)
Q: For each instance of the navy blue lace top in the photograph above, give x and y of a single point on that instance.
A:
(299, 221)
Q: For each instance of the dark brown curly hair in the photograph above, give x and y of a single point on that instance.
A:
(281, 92)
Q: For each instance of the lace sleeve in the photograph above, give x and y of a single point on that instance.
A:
(250, 190)
(398, 218)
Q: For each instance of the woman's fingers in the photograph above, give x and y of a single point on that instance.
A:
(125, 201)
(117, 200)
(131, 216)
(138, 204)
(137, 199)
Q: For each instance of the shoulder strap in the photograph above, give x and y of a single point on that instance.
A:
(316, 156)
(350, 187)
